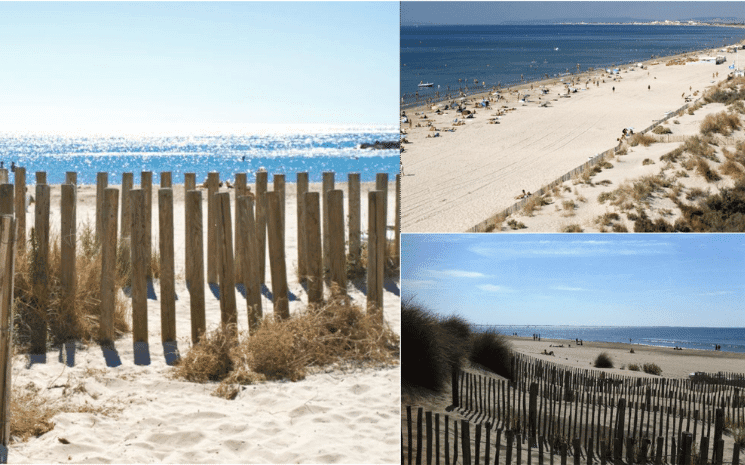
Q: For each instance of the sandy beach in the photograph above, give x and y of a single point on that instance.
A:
(334, 415)
(456, 180)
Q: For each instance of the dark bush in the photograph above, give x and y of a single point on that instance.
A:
(492, 351)
(652, 369)
(425, 364)
(603, 360)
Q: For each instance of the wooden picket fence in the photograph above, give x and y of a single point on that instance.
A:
(588, 411)
(446, 439)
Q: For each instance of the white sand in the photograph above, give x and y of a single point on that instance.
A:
(461, 178)
(329, 417)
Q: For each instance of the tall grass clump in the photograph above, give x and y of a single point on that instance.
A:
(703, 169)
(643, 139)
(723, 123)
(493, 352)
(697, 146)
(603, 360)
(336, 333)
(722, 212)
(652, 369)
(67, 318)
(358, 269)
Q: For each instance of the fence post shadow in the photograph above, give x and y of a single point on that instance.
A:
(151, 290)
(32, 359)
(391, 285)
(142, 353)
(270, 296)
(171, 353)
(215, 288)
(67, 353)
(110, 354)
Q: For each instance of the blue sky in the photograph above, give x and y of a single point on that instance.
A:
(498, 12)
(172, 65)
(560, 279)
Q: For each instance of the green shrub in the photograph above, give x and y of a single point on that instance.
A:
(652, 369)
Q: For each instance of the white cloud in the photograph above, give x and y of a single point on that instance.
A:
(458, 274)
(492, 288)
(567, 288)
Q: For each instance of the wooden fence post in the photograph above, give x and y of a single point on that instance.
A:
(277, 257)
(190, 184)
(20, 209)
(226, 266)
(71, 177)
(302, 189)
(102, 182)
(195, 263)
(139, 270)
(337, 254)
(718, 429)
(7, 260)
(240, 191)
(41, 177)
(167, 273)
(381, 184)
(213, 187)
(109, 214)
(465, 435)
(397, 223)
(247, 228)
(375, 262)
(6, 199)
(146, 184)
(313, 255)
(41, 272)
(3, 176)
(165, 180)
(68, 236)
(126, 222)
(354, 217)
(279, 187)
(328, 184)
(262, 181)
(533, 411)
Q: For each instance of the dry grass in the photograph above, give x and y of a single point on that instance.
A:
(607, 219)
(701, 147)
(673, 156)
(695, 107)
(572, 228)
(662, 130)
(513, 224)
(534, 203)
(336, 333)
(647, 161)
(732, 169)
(703, 168)
(723, 123)
(641, 139)
(358, 269)
(68, 319)
(639, 190)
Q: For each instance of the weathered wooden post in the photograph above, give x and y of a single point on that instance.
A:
(20, 209)
(397, 223)
(146, 183)
(139, 269)
(228, 311)
(381, 184)
(262, 181)
(314, 258)
(126, 221)
(3, 176)
(240, 191)
(247, 228)
(195, 263)
(302, 189)
(102, 182)
(277, 257)
(533, 412)
(68, 235)
(328, 184)
(109, 229)
(353, 184)
(279, 187)
(190, 184)
(165, 180)
(7, 260)
(213, 187)
(167, 273)
(40, 272)
(6, 199)
(375, 260)
(71, 177)
(337, 254)
(718, 429)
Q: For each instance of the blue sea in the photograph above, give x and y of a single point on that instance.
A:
(731, 339)
(228, 154)
(501, 54)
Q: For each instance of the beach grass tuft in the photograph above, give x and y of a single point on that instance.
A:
(652, 369)
(493, 352)
(703, 169)
(723, 123)
(641, 139)
(721, 212)
(603, 360)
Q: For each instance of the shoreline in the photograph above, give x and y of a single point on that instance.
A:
(543, 141)
(509, 86)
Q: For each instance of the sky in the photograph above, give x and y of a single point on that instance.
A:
(565, 279)
(500, 12)
(142, 66)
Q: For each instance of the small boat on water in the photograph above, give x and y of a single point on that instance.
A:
(425, 84)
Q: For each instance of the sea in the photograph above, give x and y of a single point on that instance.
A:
(287, 153)
(452, 57)
(731, 339)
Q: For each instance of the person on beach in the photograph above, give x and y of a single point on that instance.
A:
(614, 89)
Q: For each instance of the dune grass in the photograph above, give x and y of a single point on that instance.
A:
(337, 333)
(492, 351)
(67, 318)
(641, 139)
(603, 360)
(722, 212)
(723, 123)
(652, 369)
